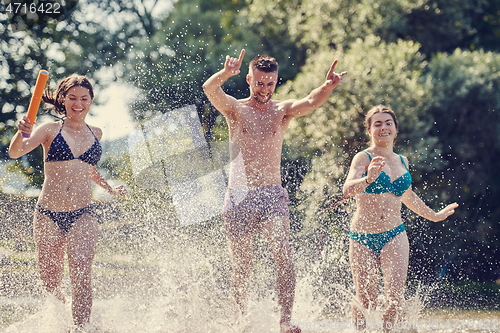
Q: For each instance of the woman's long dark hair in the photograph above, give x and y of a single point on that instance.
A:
(56, 99)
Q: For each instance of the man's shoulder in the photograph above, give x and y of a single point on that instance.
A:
(285, 104)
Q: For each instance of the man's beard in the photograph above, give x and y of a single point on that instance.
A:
(260, 100)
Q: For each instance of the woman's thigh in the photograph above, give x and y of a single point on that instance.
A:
(82, 240)
(394, 260)
(365, 269)
(49, 239)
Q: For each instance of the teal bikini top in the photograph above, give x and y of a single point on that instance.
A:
(383, 182)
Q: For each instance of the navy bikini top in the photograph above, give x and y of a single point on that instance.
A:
(60, 151)
(383, 182)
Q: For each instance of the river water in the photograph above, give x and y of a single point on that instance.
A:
(156, 276)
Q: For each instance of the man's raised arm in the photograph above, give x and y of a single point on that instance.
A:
(213, 86)
(318, 96)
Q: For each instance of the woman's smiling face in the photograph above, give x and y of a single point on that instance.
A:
(382, 128)
(77, 102)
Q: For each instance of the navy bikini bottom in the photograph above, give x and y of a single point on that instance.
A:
(65, 220)
(377, 241)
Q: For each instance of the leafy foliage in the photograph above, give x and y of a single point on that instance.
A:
(465, 89)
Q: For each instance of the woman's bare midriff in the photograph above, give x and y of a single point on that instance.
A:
(376, 213)
(67, 185)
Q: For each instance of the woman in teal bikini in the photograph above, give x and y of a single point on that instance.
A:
(64, 219)
(380, 181)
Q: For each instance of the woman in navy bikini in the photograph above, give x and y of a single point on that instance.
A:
(64, 218)
(380, 181)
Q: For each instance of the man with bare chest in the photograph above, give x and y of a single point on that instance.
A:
(255, 200)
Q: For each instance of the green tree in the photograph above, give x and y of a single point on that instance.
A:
(322, 24)
(437, 25)
(465, 94)
(444, 25)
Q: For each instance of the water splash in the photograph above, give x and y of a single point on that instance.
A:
(151, 277)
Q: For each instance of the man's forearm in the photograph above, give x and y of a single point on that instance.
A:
(320, 95)
(215, 81)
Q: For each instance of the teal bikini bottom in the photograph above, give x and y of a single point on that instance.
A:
(377, 241)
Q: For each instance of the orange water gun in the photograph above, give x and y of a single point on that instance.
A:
(41, 80)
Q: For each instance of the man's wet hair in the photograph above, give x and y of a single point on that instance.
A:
(264, 63)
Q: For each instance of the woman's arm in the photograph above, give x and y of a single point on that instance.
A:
(99, 180)
(413, 202)
(20, 146)
(355, 182)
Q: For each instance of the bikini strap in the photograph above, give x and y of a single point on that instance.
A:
(91, 131)
(62, 124)
(403, 161)
(367, 153)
